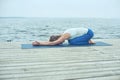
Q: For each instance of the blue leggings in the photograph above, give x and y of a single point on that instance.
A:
(82, 40)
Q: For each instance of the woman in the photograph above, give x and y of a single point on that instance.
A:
(75, 36)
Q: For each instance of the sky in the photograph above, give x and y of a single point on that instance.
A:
(60, 8)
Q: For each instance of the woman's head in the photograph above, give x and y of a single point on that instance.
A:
(54, 37)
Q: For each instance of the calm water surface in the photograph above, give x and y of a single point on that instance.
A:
(30, 29)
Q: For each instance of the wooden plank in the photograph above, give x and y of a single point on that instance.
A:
(64, 75)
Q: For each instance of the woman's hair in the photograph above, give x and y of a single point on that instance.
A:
(54, 37)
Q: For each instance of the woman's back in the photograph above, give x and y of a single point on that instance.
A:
(75, 32)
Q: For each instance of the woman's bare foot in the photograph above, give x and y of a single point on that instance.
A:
(91, 42)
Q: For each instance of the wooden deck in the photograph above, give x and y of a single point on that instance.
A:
(76, 63)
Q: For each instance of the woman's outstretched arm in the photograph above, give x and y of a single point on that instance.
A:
(58, 41)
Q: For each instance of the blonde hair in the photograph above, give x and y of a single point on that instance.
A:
(54, 37)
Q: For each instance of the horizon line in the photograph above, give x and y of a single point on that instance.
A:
(61, 17)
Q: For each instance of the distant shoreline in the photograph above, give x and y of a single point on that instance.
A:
(64, 17)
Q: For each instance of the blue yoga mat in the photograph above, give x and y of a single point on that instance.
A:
(30, 46)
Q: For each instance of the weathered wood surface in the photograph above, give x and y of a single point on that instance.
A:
(75, 63)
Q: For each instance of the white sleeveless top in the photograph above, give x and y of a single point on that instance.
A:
(75, 32)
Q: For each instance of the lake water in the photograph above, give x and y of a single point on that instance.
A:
(30, 29)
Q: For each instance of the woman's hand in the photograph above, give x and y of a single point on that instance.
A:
(35, 43)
